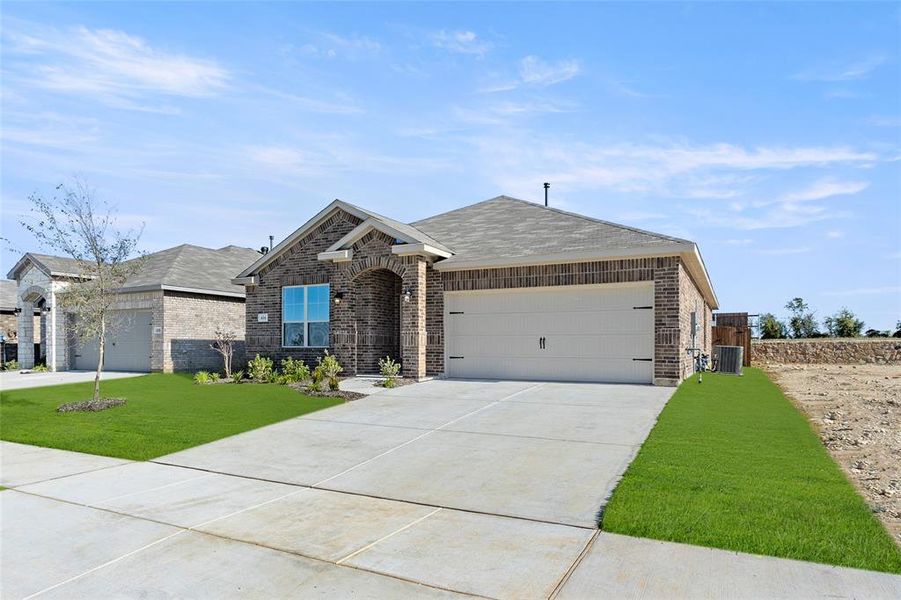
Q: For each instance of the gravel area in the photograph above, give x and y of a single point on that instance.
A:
(857, 411)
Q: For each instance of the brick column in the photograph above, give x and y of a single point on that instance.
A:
(667, 360)
(413, 329)
(26, 335)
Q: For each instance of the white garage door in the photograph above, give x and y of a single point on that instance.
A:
(573, 333)
(127, 344)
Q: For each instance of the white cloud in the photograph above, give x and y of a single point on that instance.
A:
(329, 45)
(835, 234)
(859, 69)
(871, 291)
(535, 71)
(460, 42)
(110, 65)
(738, 242)
(826, 188)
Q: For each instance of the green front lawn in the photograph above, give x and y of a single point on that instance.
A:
(732, 464)
(165, 413)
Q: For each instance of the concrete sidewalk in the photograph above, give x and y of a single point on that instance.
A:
(15, 380)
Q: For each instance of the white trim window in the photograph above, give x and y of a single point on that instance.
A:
(305, 316)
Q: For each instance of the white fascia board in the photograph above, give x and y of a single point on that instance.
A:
(252, 280)
(299, 233)
(175, 288)
(698, 269)
(336, 255)
(425, 249)
(364, 228)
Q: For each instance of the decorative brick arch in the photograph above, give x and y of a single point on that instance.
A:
(371, 263)
(33, 294)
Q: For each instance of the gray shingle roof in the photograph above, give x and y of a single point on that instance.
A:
(7, 294)
(185, 266)
(194, 267)
(404, 228)
(57, 265)
(505, 227)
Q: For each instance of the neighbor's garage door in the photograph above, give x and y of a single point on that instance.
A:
(573, 333)
(127, 344)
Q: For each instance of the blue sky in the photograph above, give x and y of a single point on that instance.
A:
(768, 133)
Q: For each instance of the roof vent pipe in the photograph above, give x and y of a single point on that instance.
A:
(546, 186)
(271, 237)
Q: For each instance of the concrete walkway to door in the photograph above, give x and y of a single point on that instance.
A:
(440, 489)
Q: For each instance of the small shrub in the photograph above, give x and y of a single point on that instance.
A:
(295, 371)
(315, 384)
(11, 365)
(40, 369)
(237, 376)
(389, 369)
(214, 377)
(260, 369)
(201, 377)
(330, 369)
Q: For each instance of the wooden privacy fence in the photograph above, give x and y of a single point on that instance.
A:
(734, 336)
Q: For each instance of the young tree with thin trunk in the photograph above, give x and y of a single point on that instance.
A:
(74, 223)
(224, 344)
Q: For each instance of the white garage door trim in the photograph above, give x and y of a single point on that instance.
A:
(128, 344)
(564, 333)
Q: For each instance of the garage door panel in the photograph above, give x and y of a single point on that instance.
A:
(562, 299)
(554, 369)
(591, 333)
(128, 345)
(537, 324)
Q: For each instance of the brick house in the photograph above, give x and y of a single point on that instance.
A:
(499, 289)
(166, 315)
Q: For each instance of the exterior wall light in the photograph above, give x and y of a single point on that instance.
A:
(339, 296)
(45, 308)
(17, 311)
(408, 295)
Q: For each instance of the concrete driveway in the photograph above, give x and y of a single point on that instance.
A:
(14, 380)
(445, 489)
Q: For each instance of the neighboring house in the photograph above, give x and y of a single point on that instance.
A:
(501, 289)
(167, 314)
(9, 319)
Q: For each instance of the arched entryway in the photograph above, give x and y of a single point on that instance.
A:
(377, 312)
(32, 337)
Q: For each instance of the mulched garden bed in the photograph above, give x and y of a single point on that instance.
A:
(347, 396)
(91, 405)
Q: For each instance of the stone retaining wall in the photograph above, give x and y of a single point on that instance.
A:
(824, 351)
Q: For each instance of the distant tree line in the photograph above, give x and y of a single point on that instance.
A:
(802, 323)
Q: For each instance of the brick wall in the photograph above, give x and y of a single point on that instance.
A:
(690, 299)
(190, 322)
(299, 265)
(9, 325)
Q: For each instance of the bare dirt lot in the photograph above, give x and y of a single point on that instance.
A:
(857, 411)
